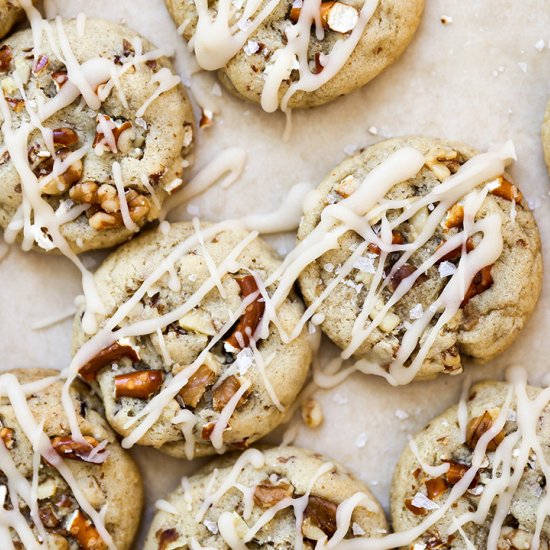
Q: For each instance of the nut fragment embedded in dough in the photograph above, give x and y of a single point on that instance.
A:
(225, 391)
(312, 413)
(320, 513)
(336, 16)
(479, 425)
(268, 494)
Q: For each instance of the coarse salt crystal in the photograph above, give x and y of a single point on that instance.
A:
(416, 312)
(365, 264)
(523, 66)
(193, 277)
(329, 268)
(401, 414)
(244, 24)
(244, 360)
(373, 130)
(212, 526)
(419, 546)
(361, 440)
(357, 530)
(422, 501)
(446, 269)
(540, 45)
(251, 47)
(350, 149)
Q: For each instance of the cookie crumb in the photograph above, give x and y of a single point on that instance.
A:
(373, 130)
(446, 19)
(540, 45)
(401, 414)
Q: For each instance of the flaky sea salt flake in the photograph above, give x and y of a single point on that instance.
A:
(422, 501)
(446, 269)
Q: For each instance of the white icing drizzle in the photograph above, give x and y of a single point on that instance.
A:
(54, 319)
(124, 210)
(41, 444)
(285, 218)
(225, 168)
(462, 410)
(220, 35)
(166, 80)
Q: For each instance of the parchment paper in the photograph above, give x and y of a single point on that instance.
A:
(480, 79)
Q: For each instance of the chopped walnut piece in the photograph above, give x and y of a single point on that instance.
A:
(116, 130)
(454, 216)
(320, 513)
(249, 321)
(108, 355)
(67, 447)
(225, 391)
(48, 516)
(517, 539)
(6, 57)
(83, 530)
(268, 494)
(207, 430)
(406, 270)
(101, 221)
(64, 137)
(312, 413)
(138, 205)
(84, 192)
(107, 197)
(336, 16)
(479, 425)
(443, 162)
(60, 184)
(6, 435)
(482, 281)
(196, 386)
(140, 384)
(507, 190)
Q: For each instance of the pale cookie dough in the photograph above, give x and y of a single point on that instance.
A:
(164, 353)
(500, 301)
(441, 441)
(148, 148)
(386, 36)
(282, 472)
(114, 484)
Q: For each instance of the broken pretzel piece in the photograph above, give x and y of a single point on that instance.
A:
(104, 357)
(481, 424)
(196, 386)
(140, 384)
(336, 16)
(249, 321)
(319, 515)
(83, 530)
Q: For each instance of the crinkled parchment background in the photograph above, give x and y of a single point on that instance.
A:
(479, 79)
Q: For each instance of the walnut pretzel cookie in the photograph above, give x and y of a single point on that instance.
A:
(82, 487)
(211, 381)
(234, 499)
(115, 124)
(507, 504)
(448, 263)
(261, 57)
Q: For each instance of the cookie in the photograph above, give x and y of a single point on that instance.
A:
(81, 489)
(261, 60)
(448, 263)
(10, 13)
(115, 124)
(235, 494)
(193, 349)
(506, 505)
